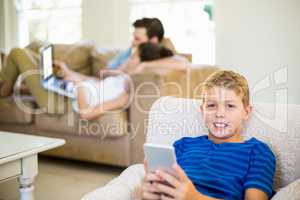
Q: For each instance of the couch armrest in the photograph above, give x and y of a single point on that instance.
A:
(120, 187)
(146, 90)
(148, 87)
(290, 192)
(187, 56)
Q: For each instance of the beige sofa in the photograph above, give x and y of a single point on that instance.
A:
(114, 138)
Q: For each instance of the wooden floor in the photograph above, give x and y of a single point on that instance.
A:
(60, 179)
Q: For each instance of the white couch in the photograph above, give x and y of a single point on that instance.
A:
(172, 118)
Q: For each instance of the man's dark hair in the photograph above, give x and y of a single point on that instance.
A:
(149, 51)
(153, 27)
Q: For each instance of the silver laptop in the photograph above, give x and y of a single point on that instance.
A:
(49, 80)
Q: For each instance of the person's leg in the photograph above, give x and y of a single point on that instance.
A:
(97, 97)
(8, 75)
(23, 61)
(91, 112)
(5, 88)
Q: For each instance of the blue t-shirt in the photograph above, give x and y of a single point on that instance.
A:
(120, 59)
(226, 170)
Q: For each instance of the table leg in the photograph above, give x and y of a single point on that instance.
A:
(29, 172)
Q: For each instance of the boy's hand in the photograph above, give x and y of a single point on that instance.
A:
(148, 191)
(181, 189)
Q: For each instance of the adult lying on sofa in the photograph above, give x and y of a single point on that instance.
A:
(98, 95)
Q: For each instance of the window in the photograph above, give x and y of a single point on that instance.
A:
(56, 21)
(188, 23)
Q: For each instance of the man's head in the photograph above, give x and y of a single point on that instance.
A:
(147, 30)
(225, 103)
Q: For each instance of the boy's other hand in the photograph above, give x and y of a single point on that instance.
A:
(179, 189)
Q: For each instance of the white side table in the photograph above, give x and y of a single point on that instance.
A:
(18, 158)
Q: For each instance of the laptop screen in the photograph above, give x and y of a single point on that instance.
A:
(46, 56)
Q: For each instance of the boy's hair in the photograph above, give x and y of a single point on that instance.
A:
(149, 51)
(153, 27)
(229, 80)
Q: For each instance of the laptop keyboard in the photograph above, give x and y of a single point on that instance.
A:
(58, 83)
(61, 84)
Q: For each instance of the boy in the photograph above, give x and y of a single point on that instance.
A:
(221, 165)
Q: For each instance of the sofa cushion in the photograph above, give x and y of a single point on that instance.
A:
(290, 192)
(121, 187)
(100, 58)
(77, 56)
(108, 125)
(13, 113)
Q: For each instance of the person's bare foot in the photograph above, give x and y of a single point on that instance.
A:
(6, 88)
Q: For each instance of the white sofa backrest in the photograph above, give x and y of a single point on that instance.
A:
(278, 125)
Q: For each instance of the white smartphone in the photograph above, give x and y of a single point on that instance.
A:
(160, 157)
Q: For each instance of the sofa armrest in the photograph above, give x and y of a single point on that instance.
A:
(120, 187)
(290, 192)
(145, 92)
(150, 86)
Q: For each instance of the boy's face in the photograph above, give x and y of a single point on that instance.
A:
(223, 112)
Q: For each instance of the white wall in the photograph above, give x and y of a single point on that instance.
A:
(106, 22)
(8, 25)
(258, 38)
(1, 24)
